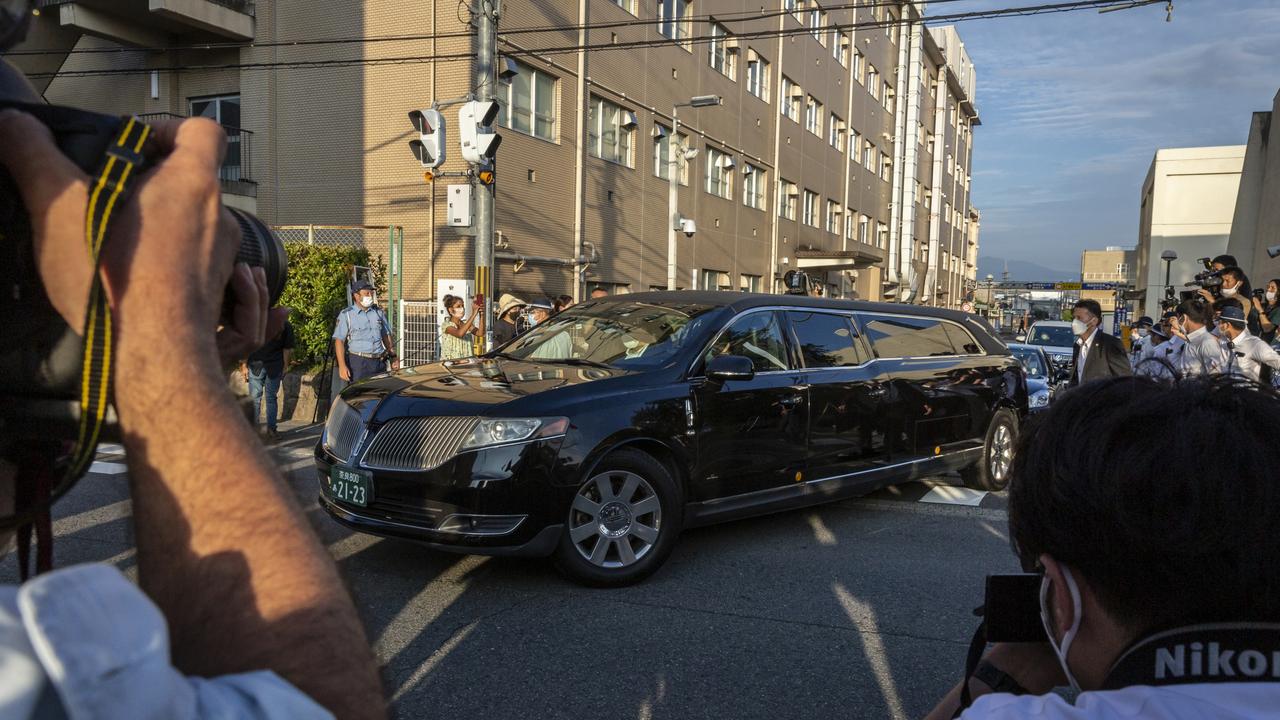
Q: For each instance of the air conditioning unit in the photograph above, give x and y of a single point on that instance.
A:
(726, 161)
(629, 120)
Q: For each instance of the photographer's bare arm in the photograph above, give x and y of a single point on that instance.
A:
(223, 548)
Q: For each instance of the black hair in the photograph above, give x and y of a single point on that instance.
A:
(1235, 272)
(1225, 260)
(1197, 309)
(1090, 305)
(451, 300)
(1171, 526)
(1264, 287)
(562, 302)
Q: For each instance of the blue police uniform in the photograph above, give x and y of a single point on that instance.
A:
(362, 329)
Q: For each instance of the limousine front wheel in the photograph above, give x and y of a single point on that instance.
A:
(992, 471)
(622, 523)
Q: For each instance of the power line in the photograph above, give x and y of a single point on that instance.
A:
(743, 16)
(1023, 11)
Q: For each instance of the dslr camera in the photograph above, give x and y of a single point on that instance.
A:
(40, 362)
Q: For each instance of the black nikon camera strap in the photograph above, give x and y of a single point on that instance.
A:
(109, 188)
(1211, 653)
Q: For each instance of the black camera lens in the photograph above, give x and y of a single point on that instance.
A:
(259, 247)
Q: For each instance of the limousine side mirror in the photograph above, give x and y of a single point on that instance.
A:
(730, 367)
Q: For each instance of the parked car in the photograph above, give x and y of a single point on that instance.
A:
(1043, 374)
(1055, 337)
(603, 432)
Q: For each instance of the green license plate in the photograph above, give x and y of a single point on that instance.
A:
(350, 485)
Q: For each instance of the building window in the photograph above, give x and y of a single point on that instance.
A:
(749, 283)
(835, 133)
(864, 230)
(528, 102)
(833, 217)
(813, 115)
(719, 173)
(850, 220)
(754, 181)
(224, 110)
(886, 166)
(628, 5)
(662, 157)
(817, 20)
(796, 8)
(840, 47)
(855, 145)
(810, 213)
(887, 97)
(673, 18)
(609, 129)
(723, 57)
(882, 235)
(757, 75)
(714, 280)
(873, 81)
(859, 67)
(870, 156)
(787, 193)
(790, 100)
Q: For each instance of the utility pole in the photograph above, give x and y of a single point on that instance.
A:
(674, 156)
(485, 79)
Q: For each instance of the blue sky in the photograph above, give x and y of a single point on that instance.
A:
(1075, 105)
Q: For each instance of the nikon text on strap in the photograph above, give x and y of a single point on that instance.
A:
(107, 192)
(1213, 653)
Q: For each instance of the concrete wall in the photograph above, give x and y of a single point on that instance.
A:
(1256, 224)
(1188, 200)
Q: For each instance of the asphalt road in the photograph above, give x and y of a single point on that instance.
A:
(860, 609)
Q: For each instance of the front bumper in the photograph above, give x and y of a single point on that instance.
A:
(505, 494)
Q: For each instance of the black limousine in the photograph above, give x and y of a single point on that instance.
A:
(600, 434)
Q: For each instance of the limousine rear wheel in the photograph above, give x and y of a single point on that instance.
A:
(991, 472)
(623, 521)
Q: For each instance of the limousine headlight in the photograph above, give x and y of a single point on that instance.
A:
(501, 431)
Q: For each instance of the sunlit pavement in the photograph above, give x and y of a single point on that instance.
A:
(861, 609)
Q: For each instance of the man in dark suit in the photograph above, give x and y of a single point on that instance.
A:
(1096, 355)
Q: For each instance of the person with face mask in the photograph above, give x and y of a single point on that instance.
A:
(457, 334)
(1267, 309)
(1154, 360)
(1096, 355)
(1202, 354)
(362, 338)
(1158, 584)
(1247, 355)
(1140, 338)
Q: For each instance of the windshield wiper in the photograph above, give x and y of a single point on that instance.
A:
(578, 361)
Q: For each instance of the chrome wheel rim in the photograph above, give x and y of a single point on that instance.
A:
(1001, 452)
(615, 519)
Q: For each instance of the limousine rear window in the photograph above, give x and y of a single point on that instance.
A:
(901, 336)
(826, 340)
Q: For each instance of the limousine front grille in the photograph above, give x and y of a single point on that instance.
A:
(342, 430)
(419, 443)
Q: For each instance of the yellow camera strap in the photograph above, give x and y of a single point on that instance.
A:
(107, 193)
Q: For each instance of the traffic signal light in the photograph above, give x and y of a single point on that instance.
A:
(429, 147)
(478, 140)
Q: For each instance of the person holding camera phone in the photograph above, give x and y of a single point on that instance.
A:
(457, 336)
(238, 610)
(1159, 586)
(1266, 303)
(362, 338)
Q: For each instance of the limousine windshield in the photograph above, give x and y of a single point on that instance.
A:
(625, 335)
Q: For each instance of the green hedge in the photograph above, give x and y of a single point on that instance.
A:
(317, 291)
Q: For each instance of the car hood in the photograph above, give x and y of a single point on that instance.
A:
(471, 386)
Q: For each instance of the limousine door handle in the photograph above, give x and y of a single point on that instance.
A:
(791, 400)
(876, 392)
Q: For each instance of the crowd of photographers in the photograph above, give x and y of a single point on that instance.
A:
(1225, 328)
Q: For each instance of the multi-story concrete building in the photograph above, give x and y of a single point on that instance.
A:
(811, 162)
(1111, 265)
(1256, 224)
(1188, 199)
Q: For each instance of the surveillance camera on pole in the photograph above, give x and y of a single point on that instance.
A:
(430, 145)
(475, 129)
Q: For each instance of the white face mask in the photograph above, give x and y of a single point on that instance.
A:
(1070, 636)
(1271, 296)
(455, 312)
(366, 301)
(1229, 292)
(1142, 332)
(1079, 327)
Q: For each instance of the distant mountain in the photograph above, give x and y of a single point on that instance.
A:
(1023, 270)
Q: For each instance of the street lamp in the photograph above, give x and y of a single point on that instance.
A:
(673, 179)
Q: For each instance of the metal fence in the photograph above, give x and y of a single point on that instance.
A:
(385, 241)
(418, 332)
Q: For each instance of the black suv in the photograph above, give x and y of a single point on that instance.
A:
(601, 433)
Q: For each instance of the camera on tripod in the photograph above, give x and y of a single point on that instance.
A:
(1208, 279)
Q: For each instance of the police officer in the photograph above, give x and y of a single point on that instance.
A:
(1202, 354)
(362, 338)
(1140, 339)
(1247, 354)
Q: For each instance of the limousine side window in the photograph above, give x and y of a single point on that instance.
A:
(961, 340)
(757, 336)
(897, 336)
(826, 340)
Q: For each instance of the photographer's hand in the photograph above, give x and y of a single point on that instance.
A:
(236, 598)
(1031, 665)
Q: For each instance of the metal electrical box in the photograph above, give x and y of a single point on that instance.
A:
(459, 206)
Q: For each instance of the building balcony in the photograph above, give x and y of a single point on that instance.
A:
(235, 169)
(156, 23)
